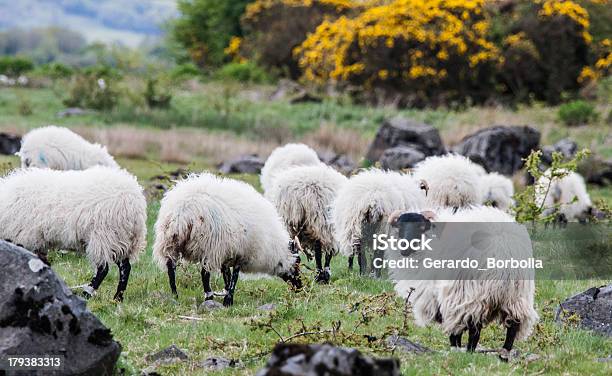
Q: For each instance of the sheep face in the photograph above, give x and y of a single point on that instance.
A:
(292, 275)
(411, 226)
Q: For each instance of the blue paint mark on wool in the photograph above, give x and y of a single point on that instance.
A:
(42, 158)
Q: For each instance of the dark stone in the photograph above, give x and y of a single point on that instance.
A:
(593, 307)
(246, 164)
(39, 315)
(566, 147)
(168, 355)
(73, 111)
(400, 157)
(500, 148)
(217, 363)
(319, 360)
(596, 171)
(9, 144)
(405, 345)
(340, 162)
(400, 131)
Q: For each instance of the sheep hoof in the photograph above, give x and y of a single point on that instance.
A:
(228, 301)
(323, 277)
(211, 297)
(505, 355)
(118, 298)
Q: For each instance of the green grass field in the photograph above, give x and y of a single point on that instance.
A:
(358, 307)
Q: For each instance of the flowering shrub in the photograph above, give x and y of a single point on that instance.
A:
(273, 28)
(436, 48)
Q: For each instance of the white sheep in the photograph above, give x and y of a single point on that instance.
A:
(496, 190)
(222, 223)
(449, 181)
(470, 304)
(285, 157)
(565, 195)
(303, 197)
(61, 149)
(368, 198)
(101, 210)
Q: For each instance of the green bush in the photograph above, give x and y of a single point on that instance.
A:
(244, 72)
(92, 91)
(155, 96)
(184, 71)
(577, 113)
(14, 66)
(56, 70)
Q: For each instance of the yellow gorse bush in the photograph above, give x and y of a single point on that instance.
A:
(570, 9)
(402, 40)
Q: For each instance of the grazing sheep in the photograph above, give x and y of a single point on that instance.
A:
(101, 210)
(222, 223)
(567, 196)
(369, 198)
(496, 191)
(303, 197)
(460, 305)
(449, 181)
(61, 149)
(285, 157)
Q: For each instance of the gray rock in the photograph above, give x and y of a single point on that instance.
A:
(39, 315)
(245, 164)
(320, 360)
(209, 305)
(9, 144)
(305, 97)
(170, 354)
(340, 162)
(73, 111)
(405, 345)
(501, 149)
(593, 307)
(566, 147)
(267, 307)
(400, 157)
(401, 131)
(596, 170)
(217, 363)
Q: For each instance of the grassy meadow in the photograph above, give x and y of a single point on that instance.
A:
(210, 122)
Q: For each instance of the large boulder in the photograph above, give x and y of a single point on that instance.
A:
(596, 170)
(400, 131)
(566, 147)
(245, 164)
(9, 144)
(501, 149)
(342, 163)
(39, 315)
(400, 157)
(322, 360)
(593, 308)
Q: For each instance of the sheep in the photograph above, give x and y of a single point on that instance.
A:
(101, 210)
(496, 190)
(449, 181)
(469, 304)
(303, 197)
(369, 198)
(565, 195)
(284, 157)
(222, 223)
(61, 149)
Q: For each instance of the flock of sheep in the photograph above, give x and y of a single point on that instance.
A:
(71, 194)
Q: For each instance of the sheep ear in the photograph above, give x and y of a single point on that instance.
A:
(393, 217)
(428, 214)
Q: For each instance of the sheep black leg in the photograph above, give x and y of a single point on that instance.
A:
(455, 340)
(326, 268)
(124, 276)
(229, 298)
(171, 266)
(96, 281)
(474, 336)
(350, 262)
(511, 333)
(318, 255)
(227, 276)
(208, 293)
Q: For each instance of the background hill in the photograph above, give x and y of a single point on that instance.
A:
(129, 22)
